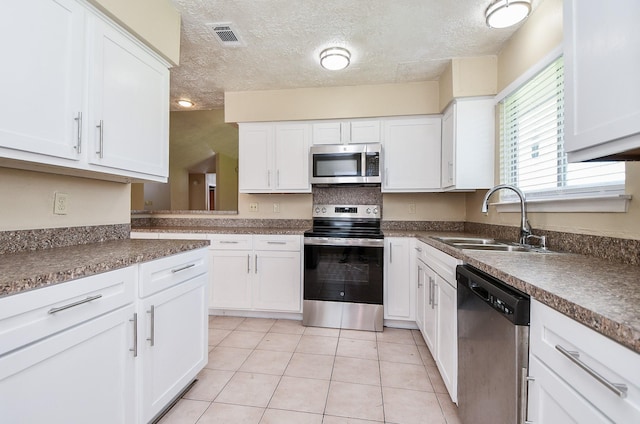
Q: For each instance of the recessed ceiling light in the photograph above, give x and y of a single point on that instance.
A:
(335, 58)
(505, 13)
(185, 103)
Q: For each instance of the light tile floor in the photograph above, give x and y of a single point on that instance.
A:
(265, 371)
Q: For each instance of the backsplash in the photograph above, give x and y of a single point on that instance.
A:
(347, 195)
(614, 249)
(47, 238)
(443, 226)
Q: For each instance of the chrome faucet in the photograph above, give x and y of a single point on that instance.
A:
(525, 229)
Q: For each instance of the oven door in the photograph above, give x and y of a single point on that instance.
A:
(343, 270)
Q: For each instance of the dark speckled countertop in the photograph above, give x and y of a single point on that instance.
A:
(40, 268)
(601, 294)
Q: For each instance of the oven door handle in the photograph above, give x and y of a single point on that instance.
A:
(336, 241)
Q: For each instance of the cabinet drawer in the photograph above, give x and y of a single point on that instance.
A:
(163, 273)
(442, 263)
(277, 242)
(231, 241)
(30, 316)
(552, 331)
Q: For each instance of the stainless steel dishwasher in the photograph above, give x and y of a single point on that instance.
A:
(493, 348)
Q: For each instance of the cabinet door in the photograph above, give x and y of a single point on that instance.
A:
(421, 294)
(277, 281)
(412, 154)
(230, 273)
(326, 133)
(255, 158)
(82, 375)
(364, 131)
(130, 117)
(601, 78)
(42, 78)
(430, 312)
(173, 345)
(552, 401)
(399, 290)
(447, 336)
(292, 158)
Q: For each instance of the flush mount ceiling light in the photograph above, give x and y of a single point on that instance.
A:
(505, 13)
(335, 58)
(185, 103)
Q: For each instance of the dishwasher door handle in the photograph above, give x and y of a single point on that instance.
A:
(479, 291)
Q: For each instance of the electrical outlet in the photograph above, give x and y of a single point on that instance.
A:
(412, 208)
(60, 203)
(253, 207)
(276, 207)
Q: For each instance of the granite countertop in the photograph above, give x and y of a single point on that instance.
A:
(40, 268)
(222, 230)
(601, 294)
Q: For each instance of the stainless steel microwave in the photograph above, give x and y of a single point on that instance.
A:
(346, 164)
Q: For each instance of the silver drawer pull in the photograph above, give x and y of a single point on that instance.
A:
(183, 268)
(228, 242)
(419, 249)
(276, 242)
(617, 388)
(71, 305)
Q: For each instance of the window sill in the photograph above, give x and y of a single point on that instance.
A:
(612, 203)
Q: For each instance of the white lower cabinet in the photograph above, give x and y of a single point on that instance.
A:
(259, 272)
(89, 351)
(399, 289)
(577, 375)
(437, 309)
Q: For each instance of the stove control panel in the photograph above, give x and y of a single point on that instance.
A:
(347, 211)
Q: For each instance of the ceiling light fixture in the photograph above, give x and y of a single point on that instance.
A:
(185, 103)
(505, 13)
(335, 58)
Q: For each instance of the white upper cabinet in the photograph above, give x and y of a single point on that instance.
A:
(344, 132)
(86, 98)
(411, 154)
(602, 88)
(468, 144)
(41, 80)
(274, 158)
(128, 121)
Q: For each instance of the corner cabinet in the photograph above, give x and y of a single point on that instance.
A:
(274, 157)
(411, 154)
(102, 108)
(602, 111)
(574, 371)
(468, 144)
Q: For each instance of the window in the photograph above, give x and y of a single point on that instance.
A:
(532, 153)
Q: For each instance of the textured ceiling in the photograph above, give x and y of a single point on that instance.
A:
(391, 41)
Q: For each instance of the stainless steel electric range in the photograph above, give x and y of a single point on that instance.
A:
(343, 268)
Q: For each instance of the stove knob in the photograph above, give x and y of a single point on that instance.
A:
(324, 210)
(317, 210)
(375, 211)
(368, 211)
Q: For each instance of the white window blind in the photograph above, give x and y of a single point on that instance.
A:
(532, 153)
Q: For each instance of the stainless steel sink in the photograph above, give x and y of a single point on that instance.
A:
(483, 243)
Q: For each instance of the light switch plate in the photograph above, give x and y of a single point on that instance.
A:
(60, 203)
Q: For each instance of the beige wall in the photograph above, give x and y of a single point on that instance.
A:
(227, 183)
(541, 33)
(27, 201)
(155, 22)
(332, 102)
(467, 77)
(428, 206)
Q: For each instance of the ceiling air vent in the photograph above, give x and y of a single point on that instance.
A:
(226, 35)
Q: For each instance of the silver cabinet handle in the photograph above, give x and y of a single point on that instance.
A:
(433, 302)
(78, 119)
(431, 291)
(71, 305)
(228, 242)
(248, 264)
(182, 268)
(617, 388)
(419, 272)
(386, 176)
(419, 249)
(135, 335)
(450, 171)
(152, 337)
(278, 178)
(390, 252)
(256, 265)
(277, 242)
(269, 179)
(100, 150)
